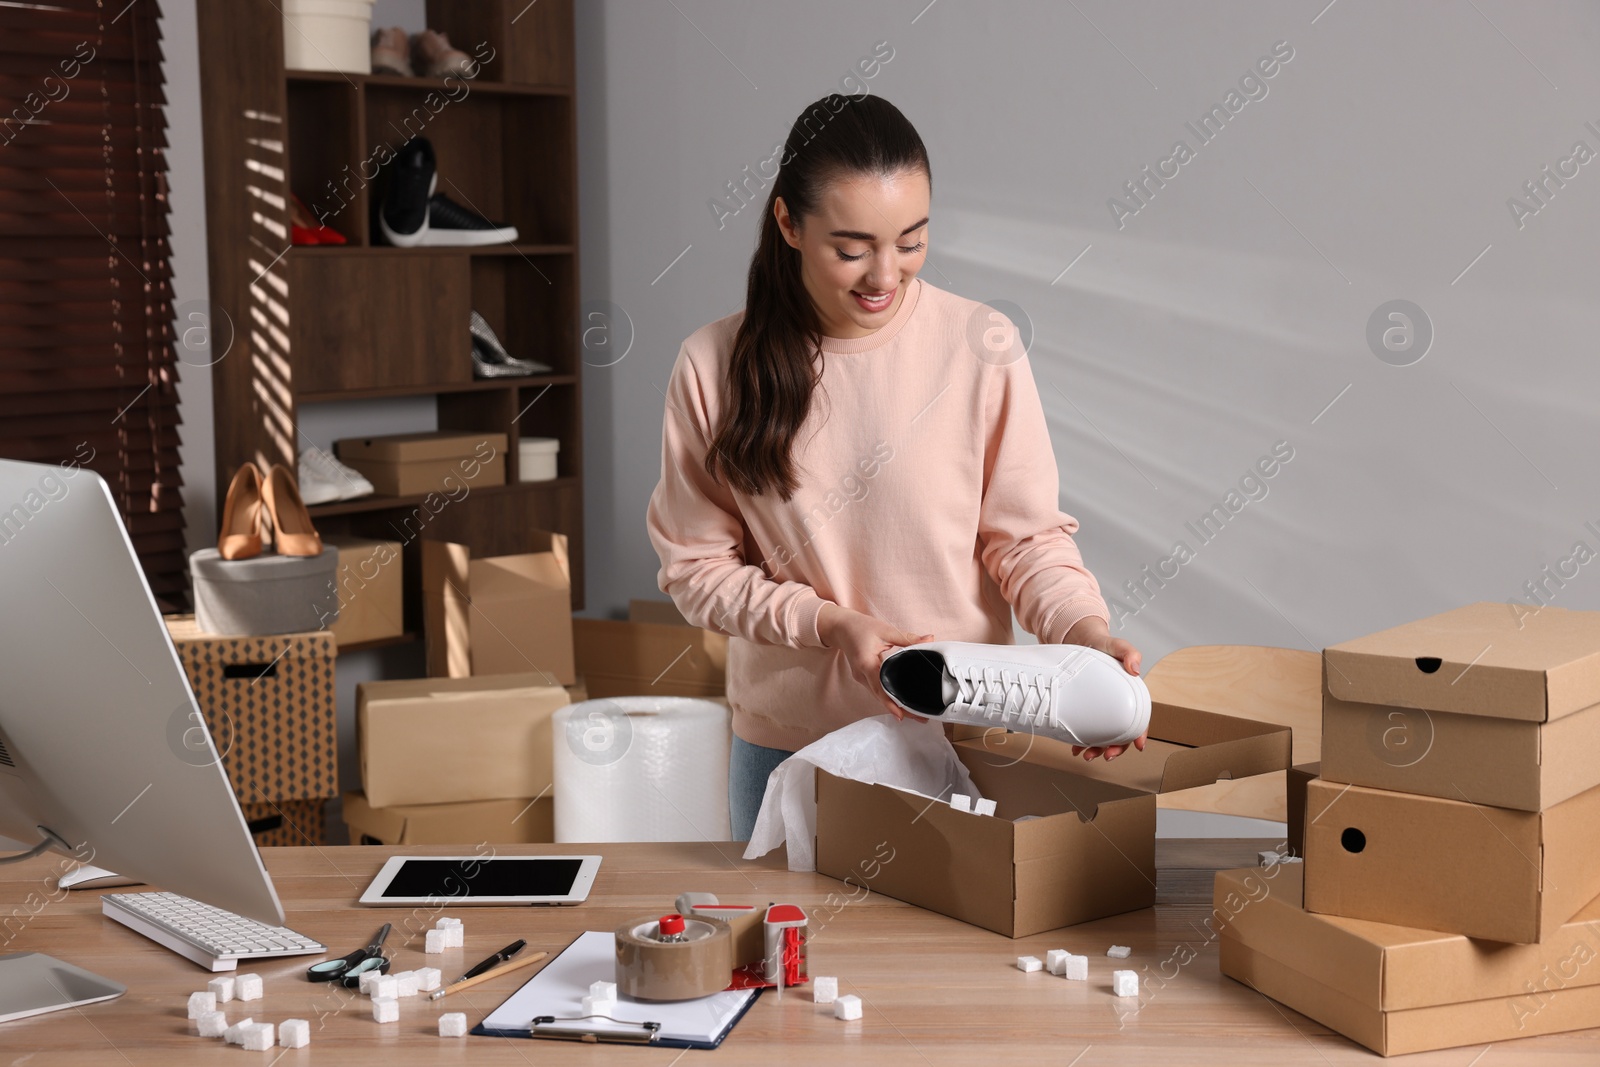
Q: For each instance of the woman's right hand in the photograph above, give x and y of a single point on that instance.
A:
(864, 640)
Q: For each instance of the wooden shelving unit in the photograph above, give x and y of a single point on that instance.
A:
(364, 322)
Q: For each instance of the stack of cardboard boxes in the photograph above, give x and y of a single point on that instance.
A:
(1452, 843)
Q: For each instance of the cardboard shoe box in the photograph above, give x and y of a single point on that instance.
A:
(1485, 704)
(649, 659)
(499, 614)
(369, 585)
(529, 820)
(1448, 865)
(269, 704)
(413, 464)
(444, 740)
(1299, 776)
(1070, 841)
(1397, 989)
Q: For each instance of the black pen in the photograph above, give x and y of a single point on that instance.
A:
(494, 961)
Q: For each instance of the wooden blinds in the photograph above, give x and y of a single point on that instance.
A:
(87, 364)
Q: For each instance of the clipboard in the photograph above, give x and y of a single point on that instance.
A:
(549, 1005)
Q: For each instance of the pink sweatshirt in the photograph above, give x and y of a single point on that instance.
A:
(928, 499)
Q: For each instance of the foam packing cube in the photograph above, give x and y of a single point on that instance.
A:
(212, 1024)
(603, 990)
(453, 1024)
(222, 987)
(593, 1005)
(258, 1037)
(1125, 983)
(234, 1035)
(1029, 964)
(428, 979)
(294, 1033)
(847, 1007)
(247, 986)
(386, 986)
(433, 942)
(407, 984)
(202, 1004)
(1119, 952)
(1055, 960)
(365, 982)
(385, 1010)
(455, 936)
(983, 807)
(1076, 968)
(960, 801)
(824, 990)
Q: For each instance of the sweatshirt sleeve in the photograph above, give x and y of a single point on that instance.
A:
(1027, 544)
(694, 523)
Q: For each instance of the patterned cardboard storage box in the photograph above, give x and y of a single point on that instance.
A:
(269, 702)
(288, 822)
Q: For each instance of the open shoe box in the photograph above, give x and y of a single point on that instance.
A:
(1089, 851)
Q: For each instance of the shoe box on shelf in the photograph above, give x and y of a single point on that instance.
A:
(1460, 777)
(1398, 989)
(451, 741)
(499, 614)
(1070, 841)
(269, 705)
(370, 588)
(327, 35)
(654, 652)
(411, 464)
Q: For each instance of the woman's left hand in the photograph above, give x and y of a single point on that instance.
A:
(1091, 631)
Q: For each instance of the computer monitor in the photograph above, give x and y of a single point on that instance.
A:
(104, 753)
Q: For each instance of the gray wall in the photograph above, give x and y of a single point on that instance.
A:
(1175, 346)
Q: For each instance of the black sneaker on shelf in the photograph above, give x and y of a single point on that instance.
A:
(451, 224)
(409, 181)
(491, 360)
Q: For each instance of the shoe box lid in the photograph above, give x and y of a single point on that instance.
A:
(412, 447)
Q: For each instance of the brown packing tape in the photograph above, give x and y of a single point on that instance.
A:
(749, 933)
(651, 969)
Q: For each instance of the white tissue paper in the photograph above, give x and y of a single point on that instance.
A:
(913, 755)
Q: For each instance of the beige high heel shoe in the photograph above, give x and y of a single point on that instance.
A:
(292, 531)
(240, 536)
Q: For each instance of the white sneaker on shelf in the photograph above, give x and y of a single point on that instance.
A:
(324, 479)
(1068, 692)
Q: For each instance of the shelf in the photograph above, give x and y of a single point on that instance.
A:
(397, 503)
(435, 250)
(474, 386)
(380, 642)
(391, 81)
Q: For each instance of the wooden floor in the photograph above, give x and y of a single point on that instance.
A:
(936, 991)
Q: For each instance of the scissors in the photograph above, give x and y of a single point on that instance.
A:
(348, 970)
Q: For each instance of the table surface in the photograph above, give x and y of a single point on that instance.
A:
(935, 991)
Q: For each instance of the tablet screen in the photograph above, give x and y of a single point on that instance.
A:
(529, 876)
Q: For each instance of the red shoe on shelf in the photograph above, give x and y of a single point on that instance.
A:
(304, 230)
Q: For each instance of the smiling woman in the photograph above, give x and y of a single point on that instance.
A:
(842, 351)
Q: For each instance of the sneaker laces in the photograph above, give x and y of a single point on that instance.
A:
(1012, 698)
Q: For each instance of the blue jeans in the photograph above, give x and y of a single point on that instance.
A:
(748, 768)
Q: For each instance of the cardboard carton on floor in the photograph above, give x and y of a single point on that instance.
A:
(1087, 852)
(369, 585)
(649, 659)
(444, 740)
(500, 614)
(1397, 989)
(1448, 865)
(1486, 703)
(1298, 777)
(529, 820)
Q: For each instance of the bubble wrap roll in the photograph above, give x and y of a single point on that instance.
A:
(641, 769)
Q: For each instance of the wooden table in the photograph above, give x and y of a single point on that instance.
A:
(935, 991)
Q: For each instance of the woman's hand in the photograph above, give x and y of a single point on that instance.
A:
(863, 640)
(1091, 631)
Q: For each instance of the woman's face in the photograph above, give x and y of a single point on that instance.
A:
(867, 239)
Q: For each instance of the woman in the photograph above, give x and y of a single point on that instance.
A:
(858, 460)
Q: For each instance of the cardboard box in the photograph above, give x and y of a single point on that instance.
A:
(649, 659)
(657, 611)
(520, 821)
(444, 740)
(1448, 865)
(501, 614)
(1484, 703)
(288, 822)
(1396, 989)
(369, 585)
(1295, 797)
(1089, 853)
(269, 704)
(413, 464)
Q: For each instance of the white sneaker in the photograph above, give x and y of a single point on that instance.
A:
(324, 479)
(1069, 692)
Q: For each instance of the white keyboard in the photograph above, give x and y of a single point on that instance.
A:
(213, 938)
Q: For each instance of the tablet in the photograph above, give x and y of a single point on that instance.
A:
(406, 881)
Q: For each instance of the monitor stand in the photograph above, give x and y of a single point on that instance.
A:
(32, 983)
